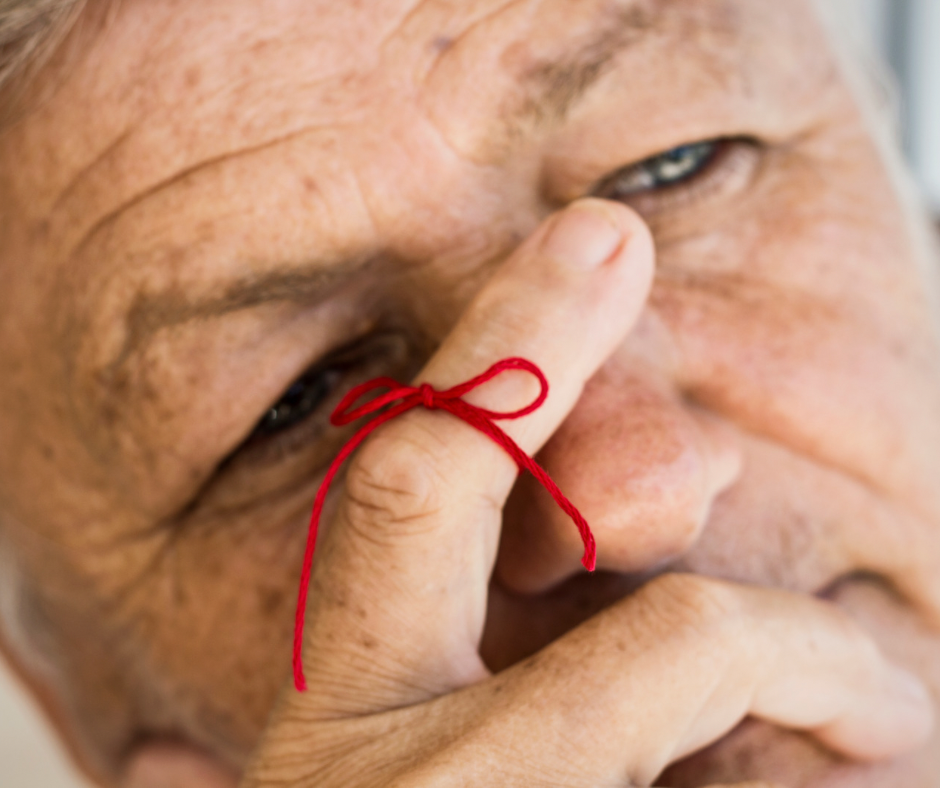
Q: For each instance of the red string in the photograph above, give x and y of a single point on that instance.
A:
(450, 400)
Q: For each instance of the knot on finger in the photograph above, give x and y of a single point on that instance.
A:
(428, 396)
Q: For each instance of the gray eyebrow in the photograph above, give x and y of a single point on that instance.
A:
(550, 89)
(150, 313)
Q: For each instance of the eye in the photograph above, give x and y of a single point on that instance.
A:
(663, 170)
(303, 398)
(299, 414)
(288, 442)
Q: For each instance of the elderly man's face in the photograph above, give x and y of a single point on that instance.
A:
(226, 201)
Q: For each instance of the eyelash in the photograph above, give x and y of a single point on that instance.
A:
(649, 178)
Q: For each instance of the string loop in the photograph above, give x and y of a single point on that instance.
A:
(400, 398)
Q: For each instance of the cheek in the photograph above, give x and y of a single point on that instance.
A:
(56, 642)
(214, 625)
(814, 338)
(193, 644)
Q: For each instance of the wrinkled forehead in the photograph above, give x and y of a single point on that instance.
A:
(174, 84)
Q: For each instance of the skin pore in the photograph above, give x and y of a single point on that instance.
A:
(216, 201)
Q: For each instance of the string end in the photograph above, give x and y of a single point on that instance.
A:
(589, 559)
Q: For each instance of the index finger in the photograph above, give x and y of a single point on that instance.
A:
(402, 576)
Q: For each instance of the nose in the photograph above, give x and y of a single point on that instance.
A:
(642, 465)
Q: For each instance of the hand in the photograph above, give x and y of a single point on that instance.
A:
(398, 693)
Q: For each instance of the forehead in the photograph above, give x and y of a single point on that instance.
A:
(167, 87)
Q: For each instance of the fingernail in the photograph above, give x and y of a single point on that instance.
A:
(585, 235)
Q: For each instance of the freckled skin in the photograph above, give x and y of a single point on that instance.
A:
(774, 418)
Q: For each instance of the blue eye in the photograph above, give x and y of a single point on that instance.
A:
(663, 170)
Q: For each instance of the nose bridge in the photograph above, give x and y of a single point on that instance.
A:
(641, 464)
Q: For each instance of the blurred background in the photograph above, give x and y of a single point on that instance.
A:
(905, 33)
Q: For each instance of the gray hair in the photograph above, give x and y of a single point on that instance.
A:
(29, 29)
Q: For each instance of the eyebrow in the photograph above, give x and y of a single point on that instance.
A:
(150, 313)
(552, 88)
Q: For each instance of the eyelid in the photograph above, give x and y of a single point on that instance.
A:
(378, 353)
(730, 168)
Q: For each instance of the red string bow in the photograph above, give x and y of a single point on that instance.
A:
(409, 397)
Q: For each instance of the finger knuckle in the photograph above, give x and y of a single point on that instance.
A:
(395, 484)
(692, 605)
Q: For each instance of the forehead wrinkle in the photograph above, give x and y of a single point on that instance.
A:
(533, 91)
(110, 217)
(101, 159)
(550, 89)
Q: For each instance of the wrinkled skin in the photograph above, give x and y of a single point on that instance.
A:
(773, 418)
